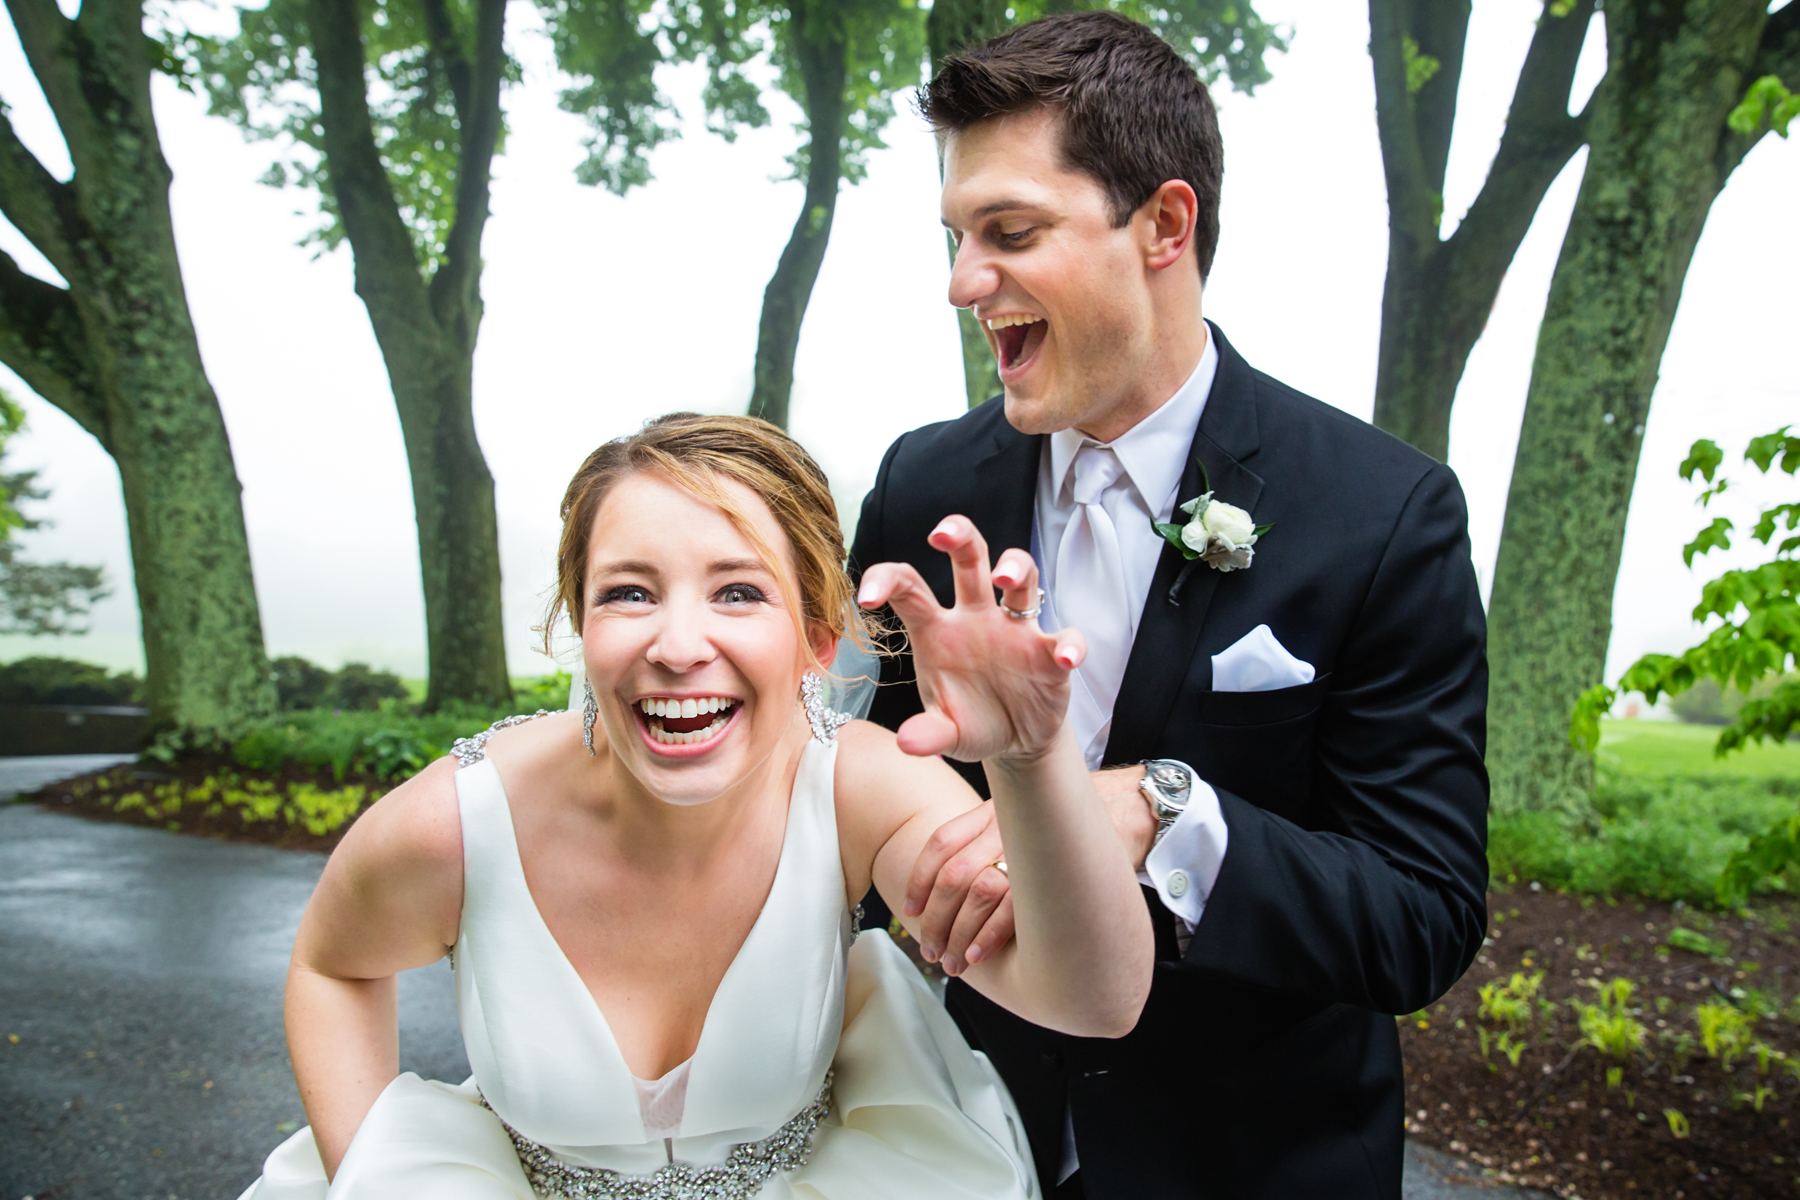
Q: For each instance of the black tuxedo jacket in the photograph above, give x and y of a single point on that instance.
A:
(1266, 1063)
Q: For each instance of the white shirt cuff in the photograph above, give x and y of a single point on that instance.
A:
(1184, 865)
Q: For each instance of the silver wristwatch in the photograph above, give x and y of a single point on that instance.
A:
(1169, 783)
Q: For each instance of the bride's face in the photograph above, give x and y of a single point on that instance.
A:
(689, 643)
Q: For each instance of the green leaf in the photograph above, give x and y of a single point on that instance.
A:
(1697, 943)
(1262, 529)
(1419, 67)
(1764, 450)
(1584, 723)
(1704, 456)
(1716, 536)
(1173, 535)
(1770, 853)
(1767, 98)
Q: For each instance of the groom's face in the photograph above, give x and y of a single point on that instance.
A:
(1059, 292)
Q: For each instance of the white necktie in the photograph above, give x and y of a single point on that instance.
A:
(1090, 577)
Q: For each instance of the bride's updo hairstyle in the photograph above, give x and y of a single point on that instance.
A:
(697, 453)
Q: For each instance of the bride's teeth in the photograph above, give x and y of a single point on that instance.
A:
(1013, 319)
(689, 709)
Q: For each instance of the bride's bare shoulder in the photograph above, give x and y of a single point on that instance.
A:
(418, 824)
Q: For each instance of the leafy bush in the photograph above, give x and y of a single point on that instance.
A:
(386, 745)
(1666, 837)
(360, 688)
(43, 680)
(549, 692)
(304, 685)
(301, 684)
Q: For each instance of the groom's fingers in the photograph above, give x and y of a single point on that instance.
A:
(958, 537)
(994, 935)
(986, 894)
(951, 857)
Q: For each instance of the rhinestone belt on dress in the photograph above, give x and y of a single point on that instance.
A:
(739, 1177)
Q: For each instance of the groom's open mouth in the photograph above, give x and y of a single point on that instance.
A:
(1017, 337)
(687, 721)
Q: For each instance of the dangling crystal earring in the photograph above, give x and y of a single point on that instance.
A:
(825, 720)
(589, 710)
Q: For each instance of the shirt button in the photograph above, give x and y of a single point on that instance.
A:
(1177, 884)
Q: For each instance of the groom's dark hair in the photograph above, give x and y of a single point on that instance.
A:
(1134, 115)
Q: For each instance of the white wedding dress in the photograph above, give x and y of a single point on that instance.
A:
(824, 1069)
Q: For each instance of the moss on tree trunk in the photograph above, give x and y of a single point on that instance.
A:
(116, 350)
(1659, 154)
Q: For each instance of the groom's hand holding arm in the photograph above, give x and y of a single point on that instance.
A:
(964, 903)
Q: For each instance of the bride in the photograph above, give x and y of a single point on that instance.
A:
(650, 904)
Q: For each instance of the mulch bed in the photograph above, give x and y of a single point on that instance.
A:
(83, 796)
(1552, 1122)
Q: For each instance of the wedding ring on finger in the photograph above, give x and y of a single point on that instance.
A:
(1026, 614)
(999, 864)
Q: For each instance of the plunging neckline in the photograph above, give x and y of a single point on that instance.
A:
(517, 860)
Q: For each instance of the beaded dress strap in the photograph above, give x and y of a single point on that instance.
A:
(471, 750)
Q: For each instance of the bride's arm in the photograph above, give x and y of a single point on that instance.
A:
(996, 690)
(389, 900)
(1080, 962)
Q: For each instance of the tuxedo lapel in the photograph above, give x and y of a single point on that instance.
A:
(1169, 629)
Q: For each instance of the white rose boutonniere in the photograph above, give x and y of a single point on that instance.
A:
(1221, 535)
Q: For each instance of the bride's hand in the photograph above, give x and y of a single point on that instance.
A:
(994, 686)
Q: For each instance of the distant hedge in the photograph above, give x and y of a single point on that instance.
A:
(44, 680)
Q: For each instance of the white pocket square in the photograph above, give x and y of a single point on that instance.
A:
(1257, 662)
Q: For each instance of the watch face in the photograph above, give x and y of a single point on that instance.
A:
(1173, 782)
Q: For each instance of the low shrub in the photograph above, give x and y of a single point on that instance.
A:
(320, 811)
(358, 687)
(1665, 837)
(388, 745)
(45, 680)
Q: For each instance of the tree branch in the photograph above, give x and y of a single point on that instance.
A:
(1412, 211)
(387, 270)
(480, 135)
(43, 341)
(1540, 139)
(37, 205)
(43, 35)
(445, 45)
(1778, 54)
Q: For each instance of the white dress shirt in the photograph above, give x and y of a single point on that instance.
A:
(1184, 864)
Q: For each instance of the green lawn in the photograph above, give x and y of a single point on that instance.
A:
(1671, 748)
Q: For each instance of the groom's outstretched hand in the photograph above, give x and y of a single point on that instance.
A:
(964, 903)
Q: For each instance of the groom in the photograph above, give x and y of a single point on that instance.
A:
(1302, 661)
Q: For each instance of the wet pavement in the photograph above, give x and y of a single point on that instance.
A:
(141, 1047)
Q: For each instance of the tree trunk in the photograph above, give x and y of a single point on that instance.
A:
(1659, 154)
(427, 334)
(950, 26)
(1439, 292)
(116, 350)
(824, 66)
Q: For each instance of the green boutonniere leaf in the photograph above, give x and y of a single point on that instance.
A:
(1262, 529)
(1173, 534)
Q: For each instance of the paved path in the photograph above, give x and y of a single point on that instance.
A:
(19, 775)
(142, 979)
